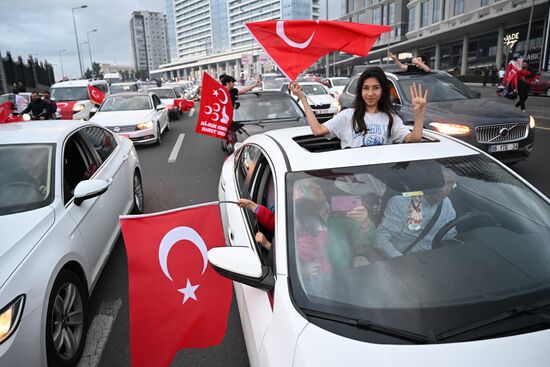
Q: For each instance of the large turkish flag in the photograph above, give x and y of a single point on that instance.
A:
(216, 111)
(176, 300)
(294, 45)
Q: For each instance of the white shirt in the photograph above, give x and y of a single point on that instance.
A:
(501, 73)
(341, 126)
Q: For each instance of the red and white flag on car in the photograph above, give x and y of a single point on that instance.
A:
(176, 300)
(216, 111)
(184, 104)
(96, 95)
(294, 45)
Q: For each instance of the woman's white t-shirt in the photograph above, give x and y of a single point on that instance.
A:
(341, 126)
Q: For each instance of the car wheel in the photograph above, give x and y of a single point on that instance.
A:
(66, 320)
(138, 194)
(548, 92)
(159, 139)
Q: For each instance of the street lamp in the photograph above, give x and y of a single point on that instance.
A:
(61, 63)
(90, 48)
(76, 36)
(80, 48)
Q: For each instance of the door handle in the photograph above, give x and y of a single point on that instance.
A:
(125, 158)
(230, 235)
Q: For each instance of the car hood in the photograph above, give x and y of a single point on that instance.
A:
(320, 99)
(473, 111)
(252, 128)
(121, 118)
(25, 230)
(317, 347)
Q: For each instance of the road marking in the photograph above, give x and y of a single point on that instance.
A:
(191, 112)
(176, 149)
(98, 333)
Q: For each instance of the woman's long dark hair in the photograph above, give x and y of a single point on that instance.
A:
(384, 104)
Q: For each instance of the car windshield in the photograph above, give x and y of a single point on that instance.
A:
(487, 251)
(441, 87)
(164, 93)
(339, 82)
(255, 107)
(125, 103)
(272, 84)
(26, 182)
(123, 88)
(70, 93)
(314, 90)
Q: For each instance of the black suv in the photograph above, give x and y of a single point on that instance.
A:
(456, 110)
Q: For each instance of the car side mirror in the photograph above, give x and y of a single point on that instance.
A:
(242, 265)
(161, 107)
(88, 189)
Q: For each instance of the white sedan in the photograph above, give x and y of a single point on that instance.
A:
(62, 188)
(167, 95)
(364, 269)
(141, 117)
(323, 104)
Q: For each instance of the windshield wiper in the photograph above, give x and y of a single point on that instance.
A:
(533, 309)
(371, 326)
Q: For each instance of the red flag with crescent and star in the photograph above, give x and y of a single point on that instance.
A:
(96, 96)
(176, 299)
(294, 45)
(184, 104)
(216, 110)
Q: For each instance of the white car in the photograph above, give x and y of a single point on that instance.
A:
(336, 85)
(63, 186)
(473, 291)
(141, 117)
(73, 100)
(324, 105)
(167, 95)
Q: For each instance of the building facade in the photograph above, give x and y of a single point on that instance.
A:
(171, 31)
(148, 33)
(211, 35)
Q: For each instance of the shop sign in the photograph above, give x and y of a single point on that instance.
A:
(263, 59)
(511, 39)
(246, 59)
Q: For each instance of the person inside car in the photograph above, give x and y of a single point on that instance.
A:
(419, 64)
(373, 120)
(411, 222)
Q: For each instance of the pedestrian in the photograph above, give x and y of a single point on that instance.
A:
(485, 76)
(21, 87)
(494, 75)
(525, 78)
(373, 120)
(46, 97)
(419, 64)
(501, 74)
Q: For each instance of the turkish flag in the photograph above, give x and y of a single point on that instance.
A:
(96, 96)
(176, 300)
(184, 104)
(5, 111)
(294, 45)
(216, 111)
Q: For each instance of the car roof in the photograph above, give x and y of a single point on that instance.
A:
(124, 83)
(78, 83)
(129, 94)
(163, 87)
(48, 131)
(434, 146)
(266, 94)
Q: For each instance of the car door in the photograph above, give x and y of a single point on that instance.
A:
(162, 115)
(253, 181)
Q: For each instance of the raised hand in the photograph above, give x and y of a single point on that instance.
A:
(296, 89)
(391, 55)
(419, 100)
(248, 204)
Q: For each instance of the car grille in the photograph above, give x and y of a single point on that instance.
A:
(321, 106)
(501, 133)
(122, 129)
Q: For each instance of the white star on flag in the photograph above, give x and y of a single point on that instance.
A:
(216, 93)
(188, 291)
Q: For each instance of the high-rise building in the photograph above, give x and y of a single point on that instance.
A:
(149, 41)
(171, 31)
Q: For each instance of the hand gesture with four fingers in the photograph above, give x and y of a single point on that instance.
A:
(418, 99)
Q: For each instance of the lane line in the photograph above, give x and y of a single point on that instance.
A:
(191, 112)
(98, 333)
(176, 149)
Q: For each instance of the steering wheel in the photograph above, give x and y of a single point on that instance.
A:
(470, 216)
(24, 184)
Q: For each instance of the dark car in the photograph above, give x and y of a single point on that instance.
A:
(541, 85)
(456, 110)
(263, 111)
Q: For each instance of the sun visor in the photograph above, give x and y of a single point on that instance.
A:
(416, 176)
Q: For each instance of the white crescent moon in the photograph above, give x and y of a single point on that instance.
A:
(216, 110)
(217, 117)
(180, 234)
(281, 33)
(208, 113)
(224, 94)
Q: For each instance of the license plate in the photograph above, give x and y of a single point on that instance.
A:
(502, 147)
(321, 111)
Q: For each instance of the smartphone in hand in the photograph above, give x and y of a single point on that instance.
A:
(345, 203)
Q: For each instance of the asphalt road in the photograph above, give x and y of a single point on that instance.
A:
(192, 179)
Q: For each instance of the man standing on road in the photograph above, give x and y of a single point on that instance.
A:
(501, 74)
(525, 78)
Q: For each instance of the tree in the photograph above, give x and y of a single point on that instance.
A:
(142, 74)
(96, 68)
(88, 74)
(125, 75)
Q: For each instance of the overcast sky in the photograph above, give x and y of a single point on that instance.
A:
(45, 27)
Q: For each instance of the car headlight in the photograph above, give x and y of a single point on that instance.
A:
(531, 121)
(10, 317)
(78, 107)
(144, 125)
(451, 129)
